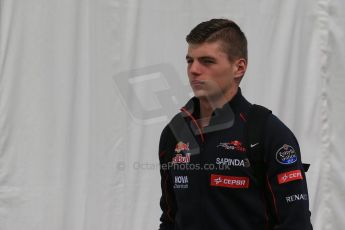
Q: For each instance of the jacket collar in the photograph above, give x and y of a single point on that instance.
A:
(193, 105)
(221, 117)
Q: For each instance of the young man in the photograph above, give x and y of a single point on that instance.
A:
(208, 180)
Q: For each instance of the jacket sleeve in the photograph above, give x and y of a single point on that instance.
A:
(287, 185)
(167, 201)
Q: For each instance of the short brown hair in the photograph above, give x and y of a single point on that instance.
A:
(227, 31)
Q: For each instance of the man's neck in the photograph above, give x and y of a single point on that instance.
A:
(208, 105)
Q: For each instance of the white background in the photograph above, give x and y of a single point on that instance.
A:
(87, 86)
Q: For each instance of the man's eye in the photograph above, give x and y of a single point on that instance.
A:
(189, 61)
(206, 61)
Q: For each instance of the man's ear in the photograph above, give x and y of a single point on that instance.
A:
(241, 67)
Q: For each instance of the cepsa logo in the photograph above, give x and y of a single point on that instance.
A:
(233, 145)
(290, 176)
(229, 181)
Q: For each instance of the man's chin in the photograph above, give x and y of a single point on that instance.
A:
(207, 96)
(200, 95)
(203, 97)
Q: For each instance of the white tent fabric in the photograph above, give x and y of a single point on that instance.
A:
(87, 86)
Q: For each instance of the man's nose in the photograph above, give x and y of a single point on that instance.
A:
(195, 68)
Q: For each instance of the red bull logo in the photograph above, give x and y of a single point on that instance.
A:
(179, 158)
(180, 146)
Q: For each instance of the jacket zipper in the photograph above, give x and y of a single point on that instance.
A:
(201, 180)
(195, 123)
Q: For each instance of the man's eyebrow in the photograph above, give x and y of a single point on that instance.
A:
(207, 57)
(202, 57)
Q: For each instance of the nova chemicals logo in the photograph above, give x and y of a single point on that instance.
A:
(181, 182)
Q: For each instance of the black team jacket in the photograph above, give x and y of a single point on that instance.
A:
(208, 182)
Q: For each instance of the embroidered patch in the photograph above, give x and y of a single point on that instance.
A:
(229, 181)
(289, 176)
(233, 145)
(286, 155)
(181, 146)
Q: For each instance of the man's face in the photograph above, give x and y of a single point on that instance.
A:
(211, 74)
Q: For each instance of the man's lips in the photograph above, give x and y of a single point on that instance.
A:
(197, 83)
